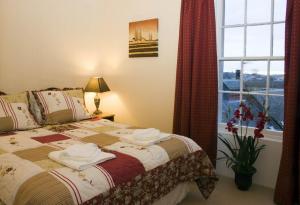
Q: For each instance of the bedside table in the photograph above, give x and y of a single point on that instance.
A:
(107, 116)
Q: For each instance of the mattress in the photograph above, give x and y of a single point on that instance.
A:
(138, 175)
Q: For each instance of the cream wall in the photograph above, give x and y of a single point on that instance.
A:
(64, 42)
(61, 43)
(146, 85)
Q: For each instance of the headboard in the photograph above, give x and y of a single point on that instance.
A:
(51, 89)
(58, 89)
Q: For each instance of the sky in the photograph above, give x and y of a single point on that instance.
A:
(250, 67)
(258, 38)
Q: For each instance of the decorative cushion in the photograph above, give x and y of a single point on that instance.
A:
(35, 109)
(61, 106)
(14, 113)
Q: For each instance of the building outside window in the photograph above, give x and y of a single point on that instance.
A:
(251, 62)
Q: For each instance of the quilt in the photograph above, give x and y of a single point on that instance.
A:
(138, 175)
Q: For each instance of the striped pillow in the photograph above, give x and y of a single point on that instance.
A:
(59, 106)
(14, 113)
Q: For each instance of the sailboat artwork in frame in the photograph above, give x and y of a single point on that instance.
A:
(143, 38)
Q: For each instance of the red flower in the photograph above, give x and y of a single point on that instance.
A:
(249, 115)
(260, 124)
(261, 115)
(258, 134)
(245, 114)
(234, 130)
(237, 113)
(230, 126)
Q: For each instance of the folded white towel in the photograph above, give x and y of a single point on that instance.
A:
(141, 137)
(145, 143)
(83, 158)
(80, 152)
(146, 134)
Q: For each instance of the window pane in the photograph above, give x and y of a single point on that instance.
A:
(234, 12)
(256, 104)
(230, 102)
(279, 35)
(233, 42)
(276, 113)
(258, 40)
(255, 76)
(231, 75)
(279, 10)
(276, 77)
(258, 11)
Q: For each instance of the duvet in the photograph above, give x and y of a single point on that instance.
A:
(138, 175)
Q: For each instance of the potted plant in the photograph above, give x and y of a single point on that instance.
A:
(244, 149)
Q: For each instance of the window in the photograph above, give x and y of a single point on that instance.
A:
(251, 60)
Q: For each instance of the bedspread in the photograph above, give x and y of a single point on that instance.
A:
(138, 175)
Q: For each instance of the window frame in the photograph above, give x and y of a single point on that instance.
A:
(220, 23)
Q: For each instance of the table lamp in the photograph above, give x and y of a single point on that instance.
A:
(97, 85)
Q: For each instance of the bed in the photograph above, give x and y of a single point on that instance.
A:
(156, 174)
(138, 175)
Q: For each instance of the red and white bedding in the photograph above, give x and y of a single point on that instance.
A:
(139, 175)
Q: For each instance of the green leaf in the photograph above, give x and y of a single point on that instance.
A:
(229, 146)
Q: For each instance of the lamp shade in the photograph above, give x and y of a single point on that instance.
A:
(97, 85)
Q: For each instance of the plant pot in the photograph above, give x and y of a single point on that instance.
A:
(243, 180)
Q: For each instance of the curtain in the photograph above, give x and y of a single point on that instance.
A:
(196, 95)
(287, 187)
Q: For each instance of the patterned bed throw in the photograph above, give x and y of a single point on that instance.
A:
(138, 175)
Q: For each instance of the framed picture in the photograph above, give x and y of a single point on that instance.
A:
(143, 38)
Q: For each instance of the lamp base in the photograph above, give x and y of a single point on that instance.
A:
(97, 112)
(97, 104)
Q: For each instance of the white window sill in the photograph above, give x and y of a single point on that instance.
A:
(270, 135)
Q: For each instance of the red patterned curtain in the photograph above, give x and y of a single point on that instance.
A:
(196, 97)
(287, 188)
